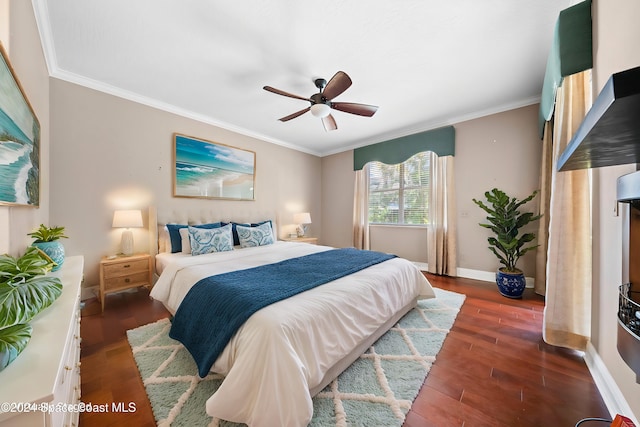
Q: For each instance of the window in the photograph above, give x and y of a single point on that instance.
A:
(398, 194)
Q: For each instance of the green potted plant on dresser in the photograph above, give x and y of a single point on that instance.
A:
(25, 290)
(508, 244)
(47, 239)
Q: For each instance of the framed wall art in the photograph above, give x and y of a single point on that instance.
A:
(209, 170)
(19, 142)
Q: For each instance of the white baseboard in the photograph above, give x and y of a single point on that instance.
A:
(485, 276)
(611, 394)
(467, 273)
(423, 266)
(89, 292)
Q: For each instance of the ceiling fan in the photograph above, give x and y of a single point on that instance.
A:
(321, 103)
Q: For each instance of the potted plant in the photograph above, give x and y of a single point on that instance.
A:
(505, 220)
(47, 240)
(25, 290)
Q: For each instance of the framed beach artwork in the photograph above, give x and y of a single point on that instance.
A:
(19, 142)
(210, 170)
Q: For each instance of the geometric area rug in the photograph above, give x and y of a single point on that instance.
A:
(376, 390)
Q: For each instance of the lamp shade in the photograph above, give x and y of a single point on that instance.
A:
(320, 110)
(302, 218)
(127, 218)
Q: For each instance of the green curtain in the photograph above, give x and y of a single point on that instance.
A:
(441, 141)
(571, 52)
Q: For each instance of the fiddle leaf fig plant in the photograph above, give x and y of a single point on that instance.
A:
(505, 220)
(25, 290)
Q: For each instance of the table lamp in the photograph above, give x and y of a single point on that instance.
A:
(127, 219)
(302, 219)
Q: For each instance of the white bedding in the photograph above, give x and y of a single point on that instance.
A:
(285, 349)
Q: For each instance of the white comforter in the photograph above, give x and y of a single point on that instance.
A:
(285, 349)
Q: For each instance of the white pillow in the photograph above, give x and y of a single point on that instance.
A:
(184, 237)
(208, 240)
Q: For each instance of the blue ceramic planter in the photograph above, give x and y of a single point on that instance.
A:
(511, 285)
(54, 250)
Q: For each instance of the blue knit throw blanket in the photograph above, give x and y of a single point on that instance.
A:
(216, 306)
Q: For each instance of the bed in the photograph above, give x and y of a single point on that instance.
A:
(288, 351)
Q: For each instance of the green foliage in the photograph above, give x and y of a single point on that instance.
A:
(13, 340)
(48, 234)
(505, 220)
(25, 290)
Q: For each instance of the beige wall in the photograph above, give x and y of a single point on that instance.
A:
(501, 150)
(337, 199)
(498, 151)
(22, 41)
(109, 153)
(616, 48)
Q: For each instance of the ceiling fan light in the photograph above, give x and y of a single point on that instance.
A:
(320, 110)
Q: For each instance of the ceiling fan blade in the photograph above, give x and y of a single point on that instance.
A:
(294, 115)
(359, 109)
(283, 93)
(338, 84)
(329, 123)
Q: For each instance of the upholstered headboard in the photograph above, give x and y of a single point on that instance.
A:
(159, 236)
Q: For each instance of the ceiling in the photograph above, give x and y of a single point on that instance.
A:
(424, 63)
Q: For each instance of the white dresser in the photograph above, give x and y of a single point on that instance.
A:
(47, 372)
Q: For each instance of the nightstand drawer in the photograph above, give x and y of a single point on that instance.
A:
(127, 281)
(120, 273)
(126, 268)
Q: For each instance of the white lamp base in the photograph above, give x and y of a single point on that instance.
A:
(301, 230)
(126, 244)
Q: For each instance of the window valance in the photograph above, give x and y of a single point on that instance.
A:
(441, 141)
(571, 52)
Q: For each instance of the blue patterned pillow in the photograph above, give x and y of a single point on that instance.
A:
(205, 241)
(255, 236)
(176, 237)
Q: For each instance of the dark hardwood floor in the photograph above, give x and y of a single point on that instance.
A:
(493, 370)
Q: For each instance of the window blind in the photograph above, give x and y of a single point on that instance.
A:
(398, 194)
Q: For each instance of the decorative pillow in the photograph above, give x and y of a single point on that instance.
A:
(208, 240)
(186, 243)
(178, 238)
(258, 235)
(234, 232)
(174, 236)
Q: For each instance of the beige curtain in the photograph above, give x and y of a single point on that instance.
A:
(361, 209)
(540, 284)
(441, 231)
(567, 313)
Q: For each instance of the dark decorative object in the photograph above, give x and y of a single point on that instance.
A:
(610, 132)
(628, 339)
(510, 285)
(629, 329)
(508, 245)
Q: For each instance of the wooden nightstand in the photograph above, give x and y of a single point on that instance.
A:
(310, 240)
(124, 272)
